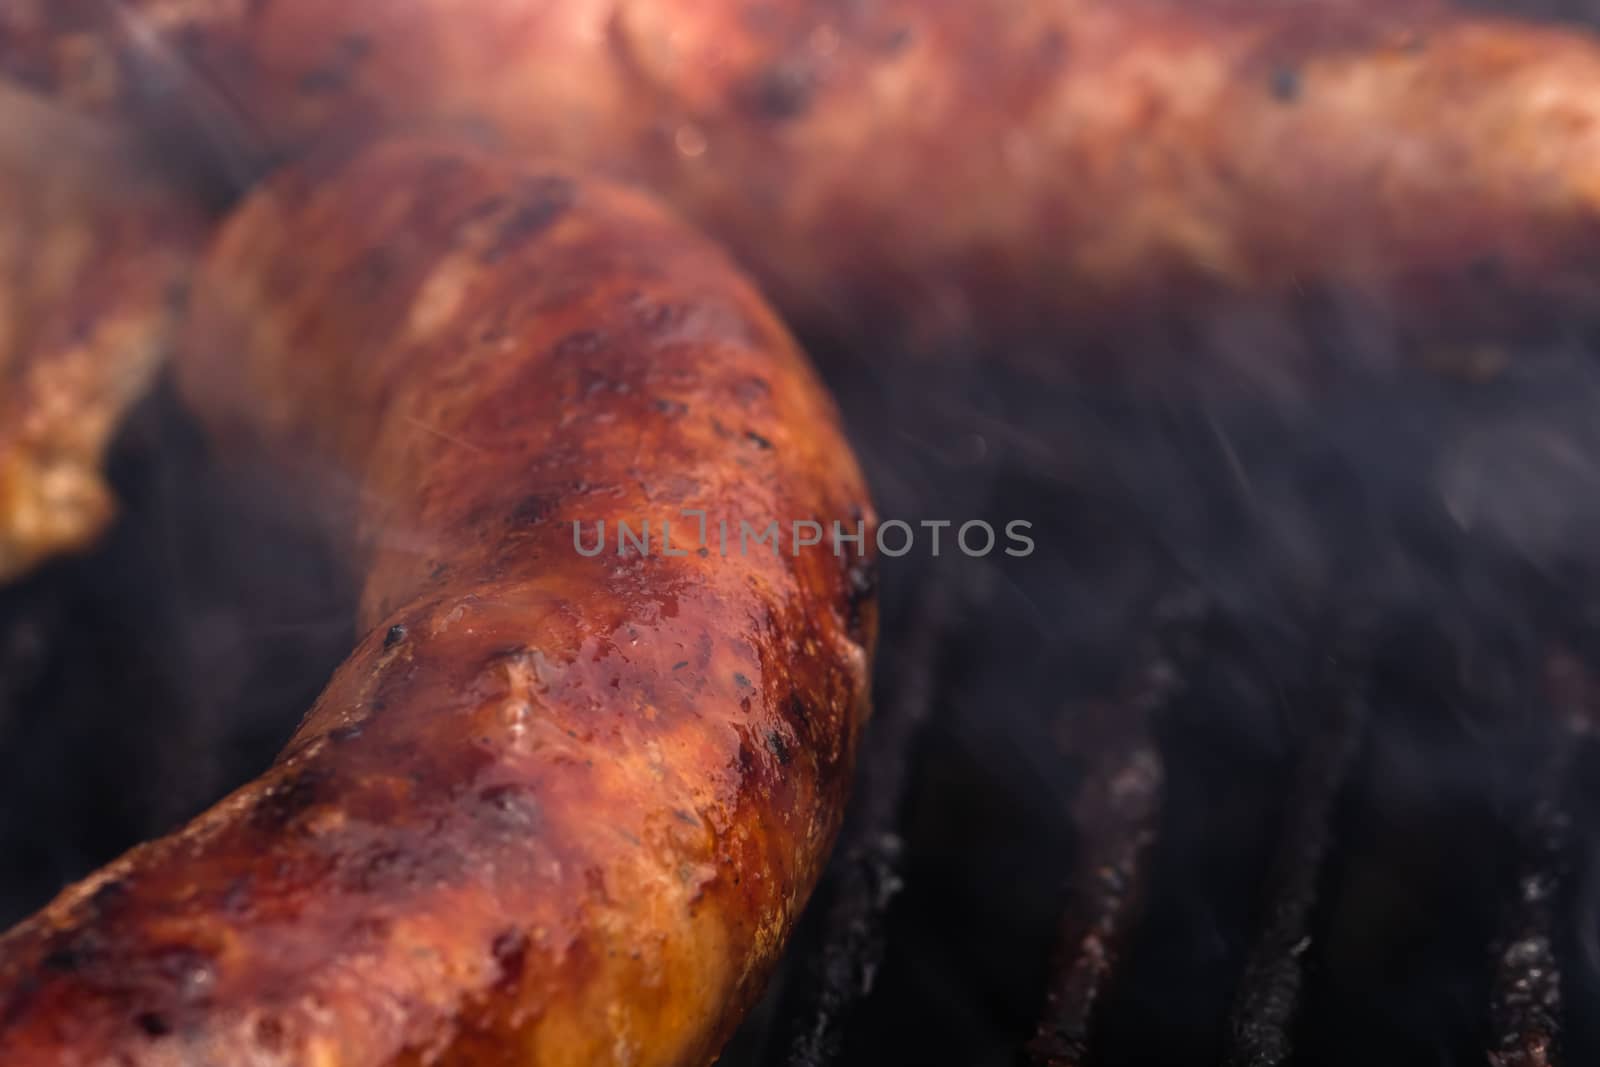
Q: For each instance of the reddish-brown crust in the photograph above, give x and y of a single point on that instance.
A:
(553, 809)
(95, 248)
(988, 165)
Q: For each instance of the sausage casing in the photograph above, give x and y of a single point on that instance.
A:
(978, 166)
(553, 809)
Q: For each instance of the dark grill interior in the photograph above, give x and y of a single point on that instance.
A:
(1277, 751)
(1268, 755)
(1279, 760)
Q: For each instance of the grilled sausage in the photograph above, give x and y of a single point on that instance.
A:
(973, 166)
(95, 247)
(553, 809)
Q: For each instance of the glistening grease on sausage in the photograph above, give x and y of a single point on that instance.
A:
(552, 809)
(970, 167)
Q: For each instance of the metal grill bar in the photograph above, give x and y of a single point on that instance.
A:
(1117, 816)
(1268, 1000)
(1526, 1007)
(865, 876)
(1527, 997)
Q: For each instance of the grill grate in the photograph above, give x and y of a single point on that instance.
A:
(1116, 811)
(1526, 1006)
(1527, 997)
(1268, 1000)
(866, 873)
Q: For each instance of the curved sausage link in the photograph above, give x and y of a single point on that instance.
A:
(967, 166)
(95, 251)
(553, 809)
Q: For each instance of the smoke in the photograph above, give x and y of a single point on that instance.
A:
(1313, 483)
(141, 683)
(1311, 489)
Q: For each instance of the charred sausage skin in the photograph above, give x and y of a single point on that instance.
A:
(553, 809)
(981, 166)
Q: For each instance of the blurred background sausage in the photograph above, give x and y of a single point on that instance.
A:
(987, 169)
(95, 248)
